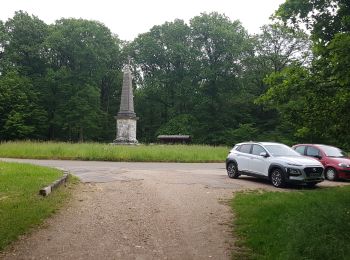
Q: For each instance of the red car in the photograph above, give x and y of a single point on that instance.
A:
(334, 160)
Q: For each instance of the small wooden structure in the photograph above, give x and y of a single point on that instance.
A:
(173, 139)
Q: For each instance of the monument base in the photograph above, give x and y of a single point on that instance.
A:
(121, 142)
(126, 131)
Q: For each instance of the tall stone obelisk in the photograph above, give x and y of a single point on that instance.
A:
(126, 118)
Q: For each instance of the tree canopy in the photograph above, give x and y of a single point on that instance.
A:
(208, 78)
(64, 77)
(315, 99)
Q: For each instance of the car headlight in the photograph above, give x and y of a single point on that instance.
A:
(294, 172)
(344, 165)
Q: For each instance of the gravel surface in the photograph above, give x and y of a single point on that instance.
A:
(140, 211)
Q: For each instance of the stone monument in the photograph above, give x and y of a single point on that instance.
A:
(126, 118)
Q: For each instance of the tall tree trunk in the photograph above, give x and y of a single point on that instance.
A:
(81, 135)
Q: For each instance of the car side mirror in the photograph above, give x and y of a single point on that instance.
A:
(264, 154)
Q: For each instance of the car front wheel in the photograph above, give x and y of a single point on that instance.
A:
(277, 178)
(232, 171)
(331, 174)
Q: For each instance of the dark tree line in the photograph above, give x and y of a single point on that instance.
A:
(208, 78)
(314, 100)
(58, 82)
(203, 78)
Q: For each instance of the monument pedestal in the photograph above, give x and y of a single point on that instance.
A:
(126, 130)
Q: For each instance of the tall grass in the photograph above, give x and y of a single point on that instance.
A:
(310, 224)
(107, 152)
(21, 206)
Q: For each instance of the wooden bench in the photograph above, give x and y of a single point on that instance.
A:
(173, 139)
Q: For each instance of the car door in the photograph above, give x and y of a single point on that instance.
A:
(315, 153)
(243, 157)
(259, 164)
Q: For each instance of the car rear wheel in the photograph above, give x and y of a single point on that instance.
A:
(232, 170)
(331, 174)
(277, 178)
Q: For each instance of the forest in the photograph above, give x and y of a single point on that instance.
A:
(208, 78)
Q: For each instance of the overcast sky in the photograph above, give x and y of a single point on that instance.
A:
(129, 18)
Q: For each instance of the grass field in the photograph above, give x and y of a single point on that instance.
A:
(21, 206)
(310, 224)
(106, 152)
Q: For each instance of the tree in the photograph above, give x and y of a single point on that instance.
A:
(164, 59)
(21, 117)
(3, 37)
(201, 78)
(22, 66)
(23, 37)
(192, 71)
(183, 124)
(72, 69)
(275, 48)
(315, 101)
(84, 63)
(325, 18)
(279, 46)
(221, 47)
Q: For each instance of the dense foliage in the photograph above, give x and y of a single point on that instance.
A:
(208, 78)
(315, 100)
(58, 81)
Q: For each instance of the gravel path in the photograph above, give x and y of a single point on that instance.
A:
(139, 211)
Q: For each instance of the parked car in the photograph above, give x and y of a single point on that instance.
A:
(274, 161)
(334, 160)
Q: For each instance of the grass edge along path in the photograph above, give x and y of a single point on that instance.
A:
(107, 152)
(21, 206)
(310, 224)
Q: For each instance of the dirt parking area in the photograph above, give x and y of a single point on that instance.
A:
(140, 211)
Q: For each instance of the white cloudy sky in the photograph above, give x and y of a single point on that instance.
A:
(128, 18)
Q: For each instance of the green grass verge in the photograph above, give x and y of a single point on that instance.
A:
(310, 224)
(21, 206)
(107, 152)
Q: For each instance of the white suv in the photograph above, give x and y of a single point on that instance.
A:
(274, 161)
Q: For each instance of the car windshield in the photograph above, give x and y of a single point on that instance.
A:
(280, 150)
(331, 151)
